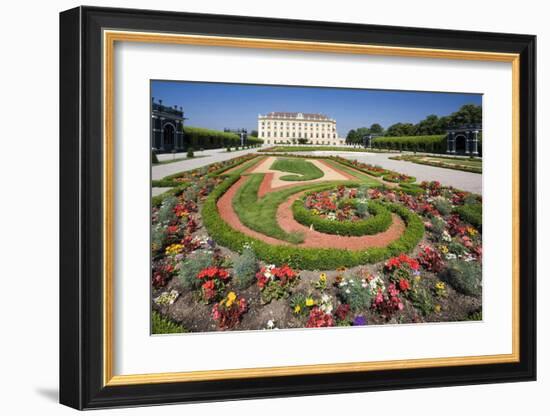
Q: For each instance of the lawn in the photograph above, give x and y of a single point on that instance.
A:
(259, 214)
(304, 170)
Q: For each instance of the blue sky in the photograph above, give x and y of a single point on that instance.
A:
(220, 105)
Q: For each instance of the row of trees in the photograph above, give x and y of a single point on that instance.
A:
(431, 125)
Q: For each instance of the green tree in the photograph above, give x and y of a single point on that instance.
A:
(351, 137)
(467, 114)
(401, 129)
(376, 128)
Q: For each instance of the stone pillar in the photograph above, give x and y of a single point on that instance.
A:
(474, 144)
(161, 133)
(448, 142)
(453, 143)
(177, 144)
(468, 144)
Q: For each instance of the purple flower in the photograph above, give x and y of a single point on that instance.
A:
(359, 320)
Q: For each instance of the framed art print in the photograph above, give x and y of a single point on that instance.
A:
(259, 207)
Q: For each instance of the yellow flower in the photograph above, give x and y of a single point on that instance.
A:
(173, 249)
(323, 277)
(437, 308)
(440, 285)
(472, 231)
(231, 296)
(297, 309)
(444, 249)
(310, 302)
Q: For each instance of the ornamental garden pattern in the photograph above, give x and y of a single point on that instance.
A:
(269, 241)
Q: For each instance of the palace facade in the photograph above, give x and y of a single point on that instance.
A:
(282, 128)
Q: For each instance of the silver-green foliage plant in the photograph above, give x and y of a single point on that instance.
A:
(166, 212)
(443, 205)
(245, 268)
(438, 227)
(464, 276)
(356, 293)
(158, 236)
(191, 267)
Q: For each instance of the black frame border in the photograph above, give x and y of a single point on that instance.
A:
(81, 193)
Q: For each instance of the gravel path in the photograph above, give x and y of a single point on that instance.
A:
(466, 181)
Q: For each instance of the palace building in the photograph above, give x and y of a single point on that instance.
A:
(281, 128)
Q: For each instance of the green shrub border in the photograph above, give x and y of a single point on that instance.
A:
(346, 162)
(307, 258)
(411, 179)
(156, 201)
(379, 222)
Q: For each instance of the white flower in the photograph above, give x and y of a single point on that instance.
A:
(348, 291)
(270, 324)
(450, 256)
(167, 298)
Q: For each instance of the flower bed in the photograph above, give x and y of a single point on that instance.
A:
(398, 178)
(342, 211)
(201, 282)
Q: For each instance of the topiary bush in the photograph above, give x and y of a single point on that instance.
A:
(464, 276)
(190, 152)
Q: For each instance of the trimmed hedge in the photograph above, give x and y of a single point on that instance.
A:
(472, 213)
(379, 222)
(389, 178)
(431, 144)
(201, 138)
(307, 258)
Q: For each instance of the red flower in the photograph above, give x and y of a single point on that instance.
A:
(319, 319)
(342, 311)
(212, 273)
(404, 285)
(208, 285)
